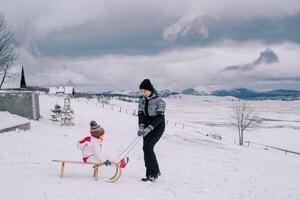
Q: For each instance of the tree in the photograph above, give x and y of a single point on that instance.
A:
(244, 116)
(56, 116)
(7, 53)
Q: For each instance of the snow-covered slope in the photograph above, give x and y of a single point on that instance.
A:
(192, 166)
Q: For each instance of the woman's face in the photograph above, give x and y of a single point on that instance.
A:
(145, 93)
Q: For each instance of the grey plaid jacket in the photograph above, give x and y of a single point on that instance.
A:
(151, 110)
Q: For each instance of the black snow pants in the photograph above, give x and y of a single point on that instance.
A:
(152, 167)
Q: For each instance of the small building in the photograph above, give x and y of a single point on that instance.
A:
(52, 90)
(60, 90)
(69, 90)
(14, 79)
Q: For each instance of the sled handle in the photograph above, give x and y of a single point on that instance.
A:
(129, 148)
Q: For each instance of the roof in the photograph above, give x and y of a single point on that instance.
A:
(53, 90)
(15, 78)
(61, 90)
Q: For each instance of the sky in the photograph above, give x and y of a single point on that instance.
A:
(113, 45)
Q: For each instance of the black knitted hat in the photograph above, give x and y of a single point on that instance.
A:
(147, 85)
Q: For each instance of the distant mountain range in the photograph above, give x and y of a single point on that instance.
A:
(163, 93)
(241, 93)
(191, 91)
(244, 93)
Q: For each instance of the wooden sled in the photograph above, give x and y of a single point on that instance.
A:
(96, 167)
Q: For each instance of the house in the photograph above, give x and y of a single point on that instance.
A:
(60, 90)
(68, 90)
(52, 90)
(14, 79)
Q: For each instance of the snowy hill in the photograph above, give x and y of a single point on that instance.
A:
(193, 166)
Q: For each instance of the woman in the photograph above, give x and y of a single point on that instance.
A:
(151, 122)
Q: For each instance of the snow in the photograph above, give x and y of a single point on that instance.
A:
(193, 166)
(214, 114)
(8, 120)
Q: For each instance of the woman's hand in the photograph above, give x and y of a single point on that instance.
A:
(141, 130)
(146, 131)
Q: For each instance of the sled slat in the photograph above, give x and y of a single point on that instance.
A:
(75, 162)
(96, 169)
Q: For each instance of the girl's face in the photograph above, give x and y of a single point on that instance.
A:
(145, 93)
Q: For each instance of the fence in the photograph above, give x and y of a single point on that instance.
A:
(266, 147)
(206, 133)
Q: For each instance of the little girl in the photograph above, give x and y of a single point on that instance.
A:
(91, 147)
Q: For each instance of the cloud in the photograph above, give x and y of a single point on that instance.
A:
(266, 57)
(96, 27)
(183, 26)
(105, 45)
(176, 69)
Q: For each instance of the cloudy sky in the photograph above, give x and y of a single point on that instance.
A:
(113, 45)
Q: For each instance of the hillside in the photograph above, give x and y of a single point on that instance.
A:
(193, 166)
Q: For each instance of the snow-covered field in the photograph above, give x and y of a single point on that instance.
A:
(209, 114)
(193, 166)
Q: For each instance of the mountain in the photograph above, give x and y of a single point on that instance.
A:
(241, 93)
(191, 91)
(135, 93)
(244, 93)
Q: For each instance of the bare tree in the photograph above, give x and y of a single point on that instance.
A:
(244, 116)
(7, 53)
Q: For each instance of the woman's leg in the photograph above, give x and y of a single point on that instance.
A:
(152, 167)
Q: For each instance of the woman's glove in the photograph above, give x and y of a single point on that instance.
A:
(147, 130)
(141, 130)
